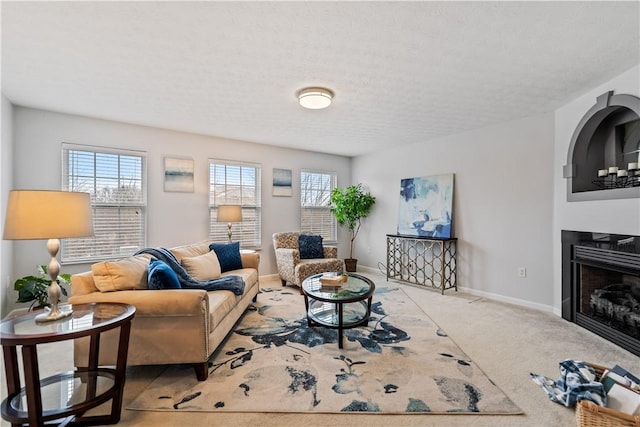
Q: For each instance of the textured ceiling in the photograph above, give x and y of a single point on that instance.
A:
(402, 72)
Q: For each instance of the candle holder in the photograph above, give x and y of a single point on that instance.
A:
(617, 179)
(634, 178)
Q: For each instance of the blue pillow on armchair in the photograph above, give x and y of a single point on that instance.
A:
(228, 255)
(310, 246)
(161, 276)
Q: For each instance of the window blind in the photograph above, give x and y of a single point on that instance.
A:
(235, 183)
(115, 179)
(315, 197)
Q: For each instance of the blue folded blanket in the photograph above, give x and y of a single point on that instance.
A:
(577, 382)
(227, 283)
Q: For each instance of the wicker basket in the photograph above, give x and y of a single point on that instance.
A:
(588, 414)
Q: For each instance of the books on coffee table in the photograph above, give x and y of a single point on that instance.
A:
(331, 282)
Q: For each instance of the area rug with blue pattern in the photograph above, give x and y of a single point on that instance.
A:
(402, 362)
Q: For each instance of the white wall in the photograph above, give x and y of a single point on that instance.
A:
(509, 204)
(173, 218)
(6, 182)
(606, 216)
(502, 204)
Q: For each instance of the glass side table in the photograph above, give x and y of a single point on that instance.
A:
(342, 308)
(64, 396)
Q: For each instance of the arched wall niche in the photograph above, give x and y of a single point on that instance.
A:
(608, 135)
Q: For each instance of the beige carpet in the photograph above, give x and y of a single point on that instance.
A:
(401, 362)
(507, 341)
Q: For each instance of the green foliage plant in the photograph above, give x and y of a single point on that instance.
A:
(36, 288)
(350, 205)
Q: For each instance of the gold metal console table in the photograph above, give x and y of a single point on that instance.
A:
(423, 261)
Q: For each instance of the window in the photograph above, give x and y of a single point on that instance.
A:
(117, 184)
(315, 195)
(234, 183)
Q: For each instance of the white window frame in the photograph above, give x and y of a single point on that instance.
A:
(245, 192)
(315, 197)
(108, 242)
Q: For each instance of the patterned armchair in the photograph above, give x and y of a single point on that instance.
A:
(293, 269)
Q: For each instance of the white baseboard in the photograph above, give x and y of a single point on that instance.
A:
(488, 295)
(371, 270)
(270, 277)
(509, 300)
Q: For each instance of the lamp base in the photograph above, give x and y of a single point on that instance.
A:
(54, 313)
(51, 315)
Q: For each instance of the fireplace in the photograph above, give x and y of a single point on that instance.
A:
(601, 285)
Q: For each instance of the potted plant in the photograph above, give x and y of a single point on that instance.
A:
(36, 288)
(349, 205)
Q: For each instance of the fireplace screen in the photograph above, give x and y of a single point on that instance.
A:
(611, 298)
(601, 285)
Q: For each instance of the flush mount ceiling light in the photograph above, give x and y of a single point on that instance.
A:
(315, 98)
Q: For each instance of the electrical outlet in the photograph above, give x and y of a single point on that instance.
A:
(522, 272)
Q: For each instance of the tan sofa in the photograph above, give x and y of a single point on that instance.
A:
(171, 326)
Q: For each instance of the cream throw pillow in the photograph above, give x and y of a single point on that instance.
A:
(123, 275)
(202, 267)
(193, 250)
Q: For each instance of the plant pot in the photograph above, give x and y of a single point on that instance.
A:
(350, 264)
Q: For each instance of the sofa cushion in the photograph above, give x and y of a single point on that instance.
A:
(161, 276)
(126, 274)
(202, 267)
(220, 305)
(228, 255)
(310, 246)
(249, 275)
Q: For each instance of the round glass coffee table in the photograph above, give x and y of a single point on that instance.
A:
(338, 306)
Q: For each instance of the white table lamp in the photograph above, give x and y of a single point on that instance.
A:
(229, 214)
(52, 215)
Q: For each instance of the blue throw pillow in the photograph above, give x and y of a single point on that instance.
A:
(228, 255)
(161, 276)
(310, 246)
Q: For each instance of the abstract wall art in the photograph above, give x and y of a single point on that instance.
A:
(282, 182)
(426, 206)
(178, 174)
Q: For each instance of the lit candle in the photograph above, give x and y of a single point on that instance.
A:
(632, 166)
(603, 172)
(622, 172)
(613, 170)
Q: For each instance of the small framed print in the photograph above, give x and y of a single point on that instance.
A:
(178, 174)
(282, 182)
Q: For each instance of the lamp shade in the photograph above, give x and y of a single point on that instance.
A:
(230, 213)
(42, 214)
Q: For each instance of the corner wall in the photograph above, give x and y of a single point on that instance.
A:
(503, 195)
(619, 216)
(6, 184)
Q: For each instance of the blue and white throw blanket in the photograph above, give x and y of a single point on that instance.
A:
(227, 283)
(577, 382)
